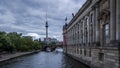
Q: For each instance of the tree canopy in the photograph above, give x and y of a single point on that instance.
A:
(16, 42)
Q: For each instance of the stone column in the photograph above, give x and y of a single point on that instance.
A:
(112, 21)
(71, 37)
(87, 29)
(118, 20)
(83, 32)
(97, 26)
(75, 38)
(94, 17)
(80, 33)
(90, 28)
(74, 35)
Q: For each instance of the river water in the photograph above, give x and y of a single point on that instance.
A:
(43, 60)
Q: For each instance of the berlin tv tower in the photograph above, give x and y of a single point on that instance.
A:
(46, 25)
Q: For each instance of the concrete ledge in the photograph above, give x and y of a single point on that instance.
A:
(7, 57)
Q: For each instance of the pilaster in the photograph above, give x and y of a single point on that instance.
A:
(118, 21)
(97, 25)
(112, 21)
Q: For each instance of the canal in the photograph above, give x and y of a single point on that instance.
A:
(43, 60)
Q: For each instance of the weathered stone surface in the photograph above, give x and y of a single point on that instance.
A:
(93, 43)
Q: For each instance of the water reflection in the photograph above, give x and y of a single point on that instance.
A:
(71, 63)
(43, 60)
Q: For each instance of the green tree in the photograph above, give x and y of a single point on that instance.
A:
(2, 34)
(27, 42)
(7, 45)
(36, 45)
(16, 42)
(15, 39)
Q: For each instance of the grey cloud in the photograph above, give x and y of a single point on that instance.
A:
(28, 16)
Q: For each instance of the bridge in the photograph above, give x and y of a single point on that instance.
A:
(50, 47)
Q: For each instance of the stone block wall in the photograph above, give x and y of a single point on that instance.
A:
(97, 57)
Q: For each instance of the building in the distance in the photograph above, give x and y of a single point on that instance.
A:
(93, 35)
(50, 40)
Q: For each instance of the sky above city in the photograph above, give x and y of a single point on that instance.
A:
(28, 16)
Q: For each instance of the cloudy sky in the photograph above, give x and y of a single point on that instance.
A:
(28, 16)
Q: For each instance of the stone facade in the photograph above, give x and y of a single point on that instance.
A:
(93, 35)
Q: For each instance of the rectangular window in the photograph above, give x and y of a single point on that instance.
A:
(80, 51)
(91, 27)
(91, 32)
(91, 18)
(90, 53)
(101, 56)
(81, 36)
(85, 52)
(87, 21)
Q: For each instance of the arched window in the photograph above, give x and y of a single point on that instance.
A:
(91, 17)
(91, 27)
(86, 30)
(106, 33)
(82, 32)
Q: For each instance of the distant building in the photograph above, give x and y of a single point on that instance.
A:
(59, 43)
(50, 40)
(39, 39)
(93, 34)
